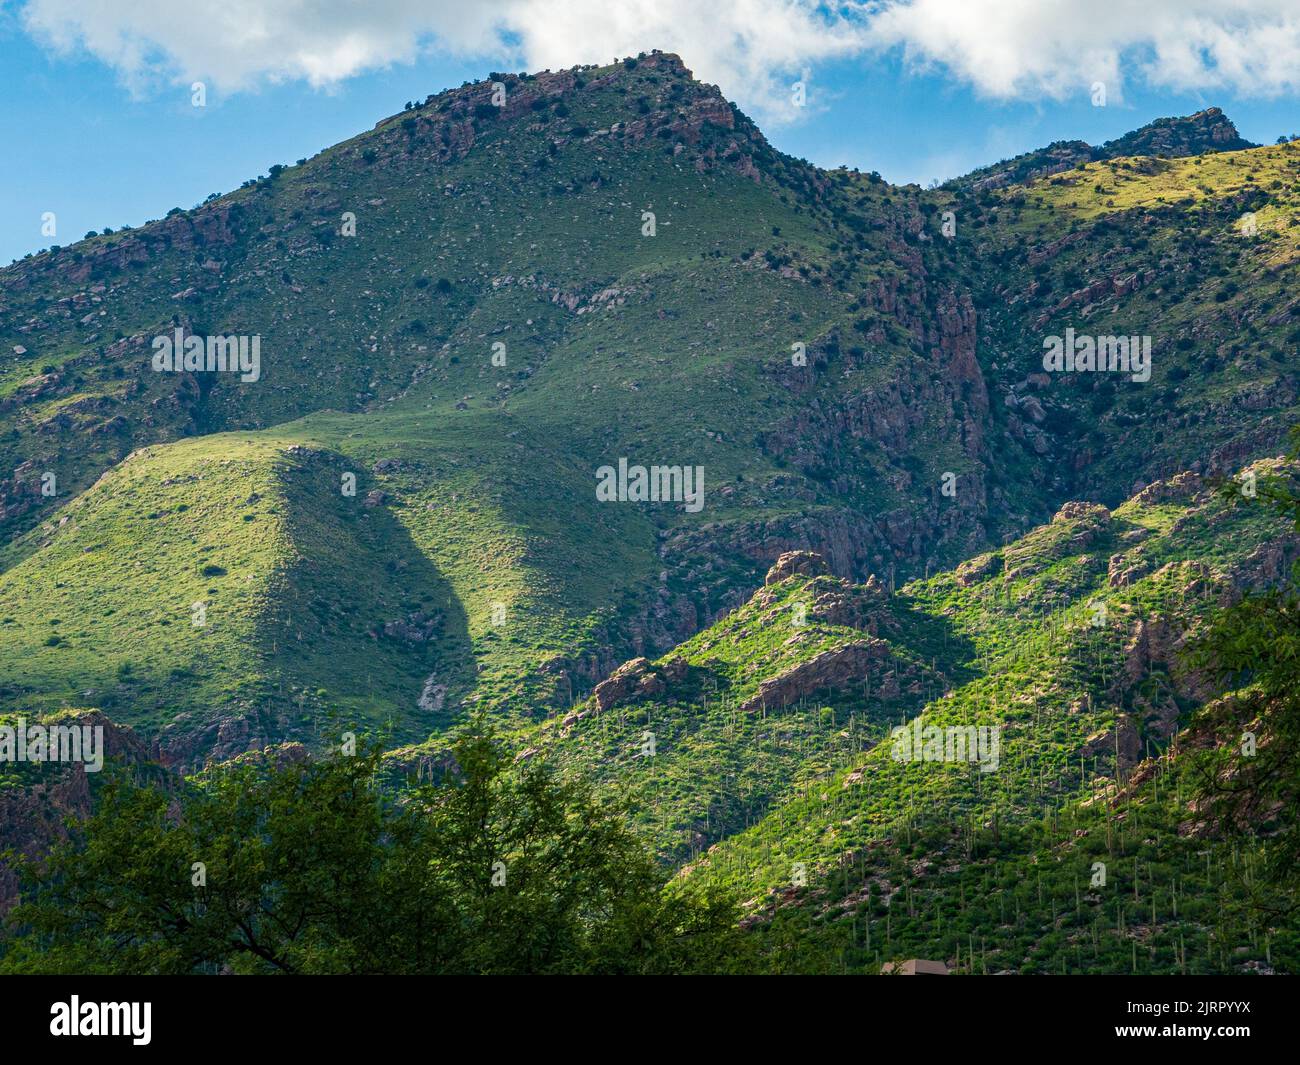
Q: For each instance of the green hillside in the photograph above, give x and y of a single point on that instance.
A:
(393, 524)
(499, 327)
(1079, 633)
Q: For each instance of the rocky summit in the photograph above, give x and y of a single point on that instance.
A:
(563, 404)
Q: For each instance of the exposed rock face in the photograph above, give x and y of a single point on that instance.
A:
(1179, 489)
(853, 544)
(915, 967)
(277, 756)
(675, 669)
(635, 679)
(432, 695)
(835, 668)
(796, 564)
(32, 817)
(1119, 285)
(978, 568)
(1121, 571)
(834, 430)
(621, 683)
(863, 606)
(1103, 744)
(832, 600)
(1206, 131)
(418, 627)
(861, 517)
(1268, 566)
(1157, 643)
(1074, 528)
(1094, 514)
(182, 744)
(1063, 155)
(209, 226)
(1155, 646)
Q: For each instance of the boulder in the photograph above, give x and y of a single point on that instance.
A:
(796, 564)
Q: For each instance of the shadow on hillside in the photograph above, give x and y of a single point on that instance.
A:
(934, 638)
(363, 632)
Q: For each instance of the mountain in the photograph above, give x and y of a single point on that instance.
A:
(1206, 131)
(376, 353)
(760, 756)
(774, 754)
(521, 226)
(473, 323)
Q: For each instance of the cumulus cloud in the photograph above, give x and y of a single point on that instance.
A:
(753, 49)
(235, 44)
(1027, 49)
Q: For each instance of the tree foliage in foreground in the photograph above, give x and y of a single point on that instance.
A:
(1249, 782)
(313, 868)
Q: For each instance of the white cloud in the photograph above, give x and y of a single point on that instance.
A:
(234, 44)
(753, 49)
(1029, 49)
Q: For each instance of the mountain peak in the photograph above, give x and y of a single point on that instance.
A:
(1205, 131)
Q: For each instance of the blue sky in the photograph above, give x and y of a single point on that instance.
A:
(102, 138)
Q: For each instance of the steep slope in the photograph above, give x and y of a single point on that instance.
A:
(1206, 131)
(1193, 257)
(500, 294)
(704, 741)
(341, 587)
(216, 593)
(1079, 632)
(487, 298)
(760, 754)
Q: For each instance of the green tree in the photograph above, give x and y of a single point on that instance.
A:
(315, 867)
(1247, 774)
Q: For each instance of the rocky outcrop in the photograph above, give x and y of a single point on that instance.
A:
(415, 628)
(1205, 131)
(836, 668)
(796, 564)
(432, 695)
(183, 743)
(977, 569)
(637, 679)
(33, 814)
(1093, 515)
(1063, 155)
(1268, 566)
(1074, 529)
(276, 756)
(1122, 571)
(1103, 744)
(1182, 488)
(858, 606)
